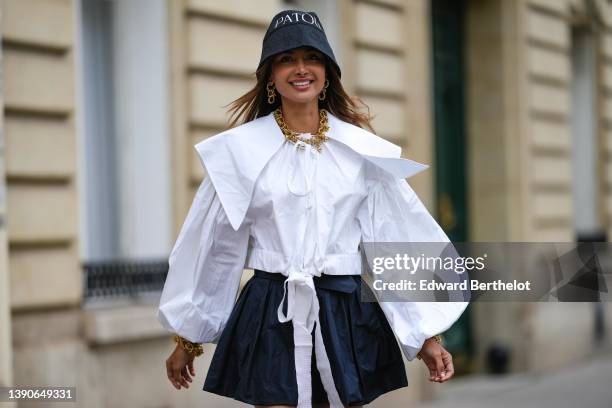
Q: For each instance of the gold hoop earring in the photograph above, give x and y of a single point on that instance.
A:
(271, 94)
(324, 91)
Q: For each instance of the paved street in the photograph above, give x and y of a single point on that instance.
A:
(587, 384)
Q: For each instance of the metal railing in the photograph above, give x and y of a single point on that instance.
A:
(125, 280)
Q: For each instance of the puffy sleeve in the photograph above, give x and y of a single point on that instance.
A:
(205, 267)
(392, 212)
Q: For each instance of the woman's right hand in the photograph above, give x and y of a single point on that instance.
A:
(438, 360)
(179, 366)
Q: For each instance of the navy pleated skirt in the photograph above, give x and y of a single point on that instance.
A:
(254, 361)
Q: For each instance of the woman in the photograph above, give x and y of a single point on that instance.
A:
(291, 193)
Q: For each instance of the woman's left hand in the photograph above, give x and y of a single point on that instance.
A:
(438, 361)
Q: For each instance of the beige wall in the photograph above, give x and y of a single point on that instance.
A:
(6, 358)
(550, 208)
(38, 82)
(399, 96)
(519, 78)
(40, 152)
(494, 147)
(519, 105)
(208, 74)
(547, 47)
(547, 73)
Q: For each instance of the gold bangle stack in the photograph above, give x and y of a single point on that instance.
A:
(438, 340)
(191, 348)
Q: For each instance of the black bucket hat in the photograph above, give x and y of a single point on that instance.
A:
(292, 29)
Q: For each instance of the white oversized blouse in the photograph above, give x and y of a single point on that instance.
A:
(280, 207)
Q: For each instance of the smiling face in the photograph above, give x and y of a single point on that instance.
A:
(299, 74)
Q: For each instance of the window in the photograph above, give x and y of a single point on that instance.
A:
(125, 147)
(585, 155)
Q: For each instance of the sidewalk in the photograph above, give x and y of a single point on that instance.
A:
(587, 384)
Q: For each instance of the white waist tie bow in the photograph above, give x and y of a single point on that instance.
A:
(302, 301)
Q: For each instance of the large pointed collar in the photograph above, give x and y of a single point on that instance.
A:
(235, 158)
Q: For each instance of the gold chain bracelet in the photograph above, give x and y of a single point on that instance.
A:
(438, 340)
(191, 348)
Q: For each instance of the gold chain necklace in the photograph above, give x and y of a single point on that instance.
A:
(317, 138)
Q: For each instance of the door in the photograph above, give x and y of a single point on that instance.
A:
(450, 148)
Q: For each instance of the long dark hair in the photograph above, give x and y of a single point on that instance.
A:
(254, 104)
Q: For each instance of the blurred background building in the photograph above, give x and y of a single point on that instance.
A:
(103, 100)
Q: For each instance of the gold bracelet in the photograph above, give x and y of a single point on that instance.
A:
(191, 348)
(438, 340)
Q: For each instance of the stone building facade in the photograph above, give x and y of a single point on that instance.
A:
(104, 99)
